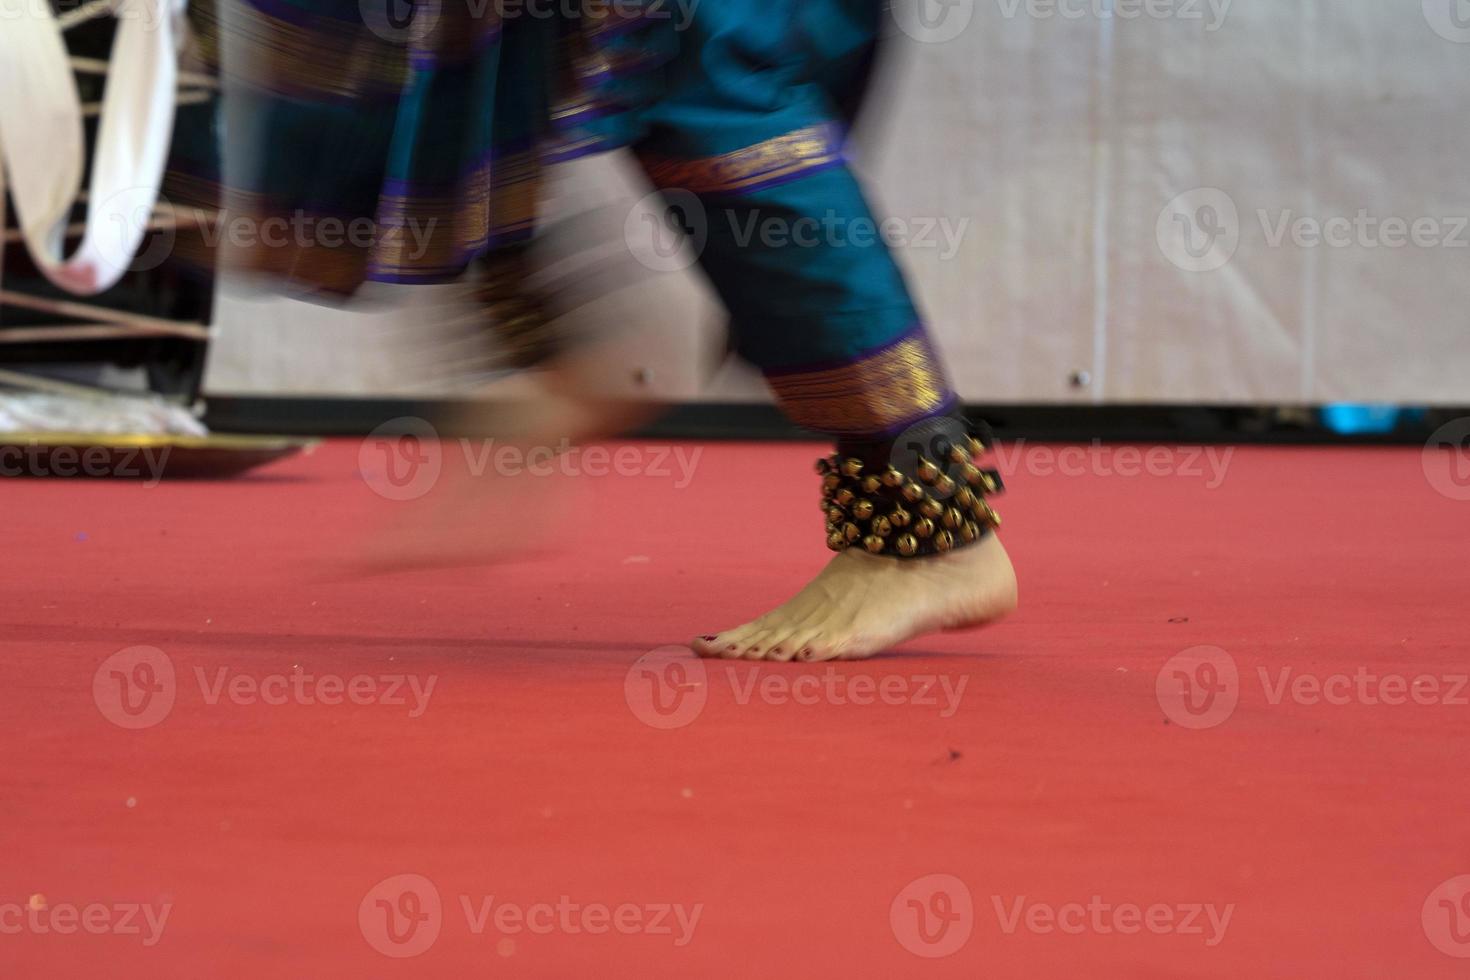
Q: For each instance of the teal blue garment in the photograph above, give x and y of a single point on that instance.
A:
(743, 105)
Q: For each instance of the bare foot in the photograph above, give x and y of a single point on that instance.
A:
(861, 604)
(474, 515)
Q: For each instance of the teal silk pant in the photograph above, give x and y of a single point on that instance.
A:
(437, 124)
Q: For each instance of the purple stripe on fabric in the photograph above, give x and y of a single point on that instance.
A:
(947, 406)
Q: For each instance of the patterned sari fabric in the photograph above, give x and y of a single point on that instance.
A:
(437, 127)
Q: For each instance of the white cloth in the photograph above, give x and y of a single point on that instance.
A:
(116, 414)
(43, 146)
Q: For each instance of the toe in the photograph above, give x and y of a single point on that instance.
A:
(758, 647)
(784, 644)
(706, 646)
(819, 649)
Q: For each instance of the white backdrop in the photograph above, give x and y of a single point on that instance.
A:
(1225, 201)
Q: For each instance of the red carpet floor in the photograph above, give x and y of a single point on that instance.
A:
(1042, 799)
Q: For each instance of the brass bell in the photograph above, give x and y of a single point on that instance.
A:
(964, 497)
(912, 492)
(871, 484)
(957, 454)
(852, 467)
(977, 448)
(844, 497)
(882, 527)
(892, 478)
(944, 486)
(873, 543)
(907, 545)
(988, 514)
(943, 541)
(931, 508)
(927, 471)
(988, 482)
(969, 532)
(831, 482)
(850, 532)
(953, 519)
(863, 509)
(971, 473)
(836, 541)
(835, 515)
(924, 528)
(900, 517)
(823, 467)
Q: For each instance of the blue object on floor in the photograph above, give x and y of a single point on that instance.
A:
(1346, 418)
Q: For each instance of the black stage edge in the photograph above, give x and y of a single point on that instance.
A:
(1036, 423)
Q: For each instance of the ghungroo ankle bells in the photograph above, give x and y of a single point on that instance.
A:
(909, 498)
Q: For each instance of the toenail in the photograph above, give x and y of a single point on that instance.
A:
(775, 649)
(706, 638)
